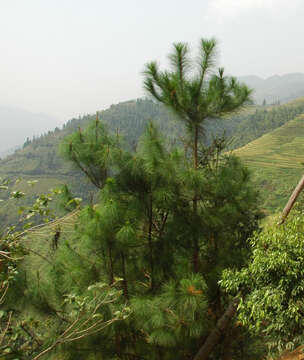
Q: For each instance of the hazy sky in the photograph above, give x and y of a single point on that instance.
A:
(69, 57)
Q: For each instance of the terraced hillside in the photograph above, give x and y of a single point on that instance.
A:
(277, 161)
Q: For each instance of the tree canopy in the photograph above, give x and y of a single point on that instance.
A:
(272, 285)
(193, 90)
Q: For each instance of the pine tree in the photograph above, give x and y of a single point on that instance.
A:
(163, 230)
(165, 225)
(139, 232)
(195, 97)
(91, 151)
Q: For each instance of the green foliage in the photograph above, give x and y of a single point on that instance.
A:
(40, 159)
(195, 97)
(261, 121)
(161, 225)
(272, 285)
(32, 320)
(175, 315)
(138, 271)
(139, 231)
(90, 151)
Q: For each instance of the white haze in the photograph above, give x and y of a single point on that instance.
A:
(70, 57)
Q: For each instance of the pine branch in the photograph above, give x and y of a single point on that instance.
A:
(83, 169)
(208, 55)
(180, 61)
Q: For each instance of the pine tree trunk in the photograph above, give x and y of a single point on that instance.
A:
(150, 242)
(214, 337)
(124, 275)
(111, 267)
(195, 256)
(196, 147)
(117, 345)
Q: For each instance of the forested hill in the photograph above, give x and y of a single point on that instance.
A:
(39, 159)
(263, 120)
(39, 156)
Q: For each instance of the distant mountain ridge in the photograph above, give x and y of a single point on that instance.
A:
(18, 124)
(276, 88)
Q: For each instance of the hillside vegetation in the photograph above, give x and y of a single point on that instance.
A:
(138, 277)
(261, 120)
(277, 160)
(39, 158)
(167, 257)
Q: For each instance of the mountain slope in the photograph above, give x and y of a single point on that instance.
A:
(39, 156)
(263, 120)
(39, 159)
(277, 161)
(18, 124)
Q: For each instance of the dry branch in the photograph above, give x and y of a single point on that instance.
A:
(292, 200)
